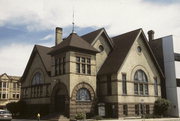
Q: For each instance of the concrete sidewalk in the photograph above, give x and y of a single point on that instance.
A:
(154, 119)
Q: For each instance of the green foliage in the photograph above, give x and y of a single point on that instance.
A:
(80, 116)
(12, 107)
(161, 106)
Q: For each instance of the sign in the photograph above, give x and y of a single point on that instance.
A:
(101, 109)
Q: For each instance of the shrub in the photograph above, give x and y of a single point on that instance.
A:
(80, 116)
(161, 106)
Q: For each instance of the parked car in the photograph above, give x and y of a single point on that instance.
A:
(5, 115)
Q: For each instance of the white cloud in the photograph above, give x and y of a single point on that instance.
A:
(48, 37)
(117, 16)
(14, 58)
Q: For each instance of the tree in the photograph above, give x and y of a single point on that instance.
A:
(161, 106)
(16, 107)
(12, 107)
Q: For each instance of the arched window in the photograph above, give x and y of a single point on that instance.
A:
(140, 83)
(37, 79)
(83, 95)
(37, 87)
(140, 76)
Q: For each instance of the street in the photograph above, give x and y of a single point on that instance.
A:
(26, 120)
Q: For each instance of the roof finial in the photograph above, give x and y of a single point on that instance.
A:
(73, 22)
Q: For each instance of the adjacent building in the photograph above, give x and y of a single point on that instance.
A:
(92, 74)
(9, 89)
(170, 63)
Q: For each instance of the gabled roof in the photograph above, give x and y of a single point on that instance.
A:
(157, 48)
(92, 37)
(45, 58)
(73, 41)
(11, 77)
(4, 74)
(122, 45)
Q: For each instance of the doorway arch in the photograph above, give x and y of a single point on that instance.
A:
(60, 99)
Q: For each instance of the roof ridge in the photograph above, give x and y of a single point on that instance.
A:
(71, 35)
(91, 36)
(126, 33)
(93, 31)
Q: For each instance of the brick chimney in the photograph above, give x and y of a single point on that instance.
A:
(58, 37)
(151, 35)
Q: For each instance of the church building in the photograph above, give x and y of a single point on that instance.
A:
(93, 74)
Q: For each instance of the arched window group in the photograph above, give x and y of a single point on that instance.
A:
(37, 79)
(83, 94)
(37, 87)
(140, 83)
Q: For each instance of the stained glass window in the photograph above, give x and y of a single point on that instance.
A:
(141, 83)
(37, 79)
(83, 95)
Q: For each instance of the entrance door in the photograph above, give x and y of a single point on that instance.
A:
(60, 104)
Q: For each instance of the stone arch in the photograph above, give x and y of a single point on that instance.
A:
(139, 67)
(82, 85)
(60, 99)
(88, 106)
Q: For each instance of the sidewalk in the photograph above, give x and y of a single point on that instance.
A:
(154, 119)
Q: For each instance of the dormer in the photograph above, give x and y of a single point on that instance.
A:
(100, 40)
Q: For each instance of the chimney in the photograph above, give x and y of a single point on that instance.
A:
(151, 35)
(58, 38)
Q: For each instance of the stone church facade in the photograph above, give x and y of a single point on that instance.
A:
(81, 73)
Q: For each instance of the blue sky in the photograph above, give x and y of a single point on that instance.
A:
(25, 23)
(19, 34)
